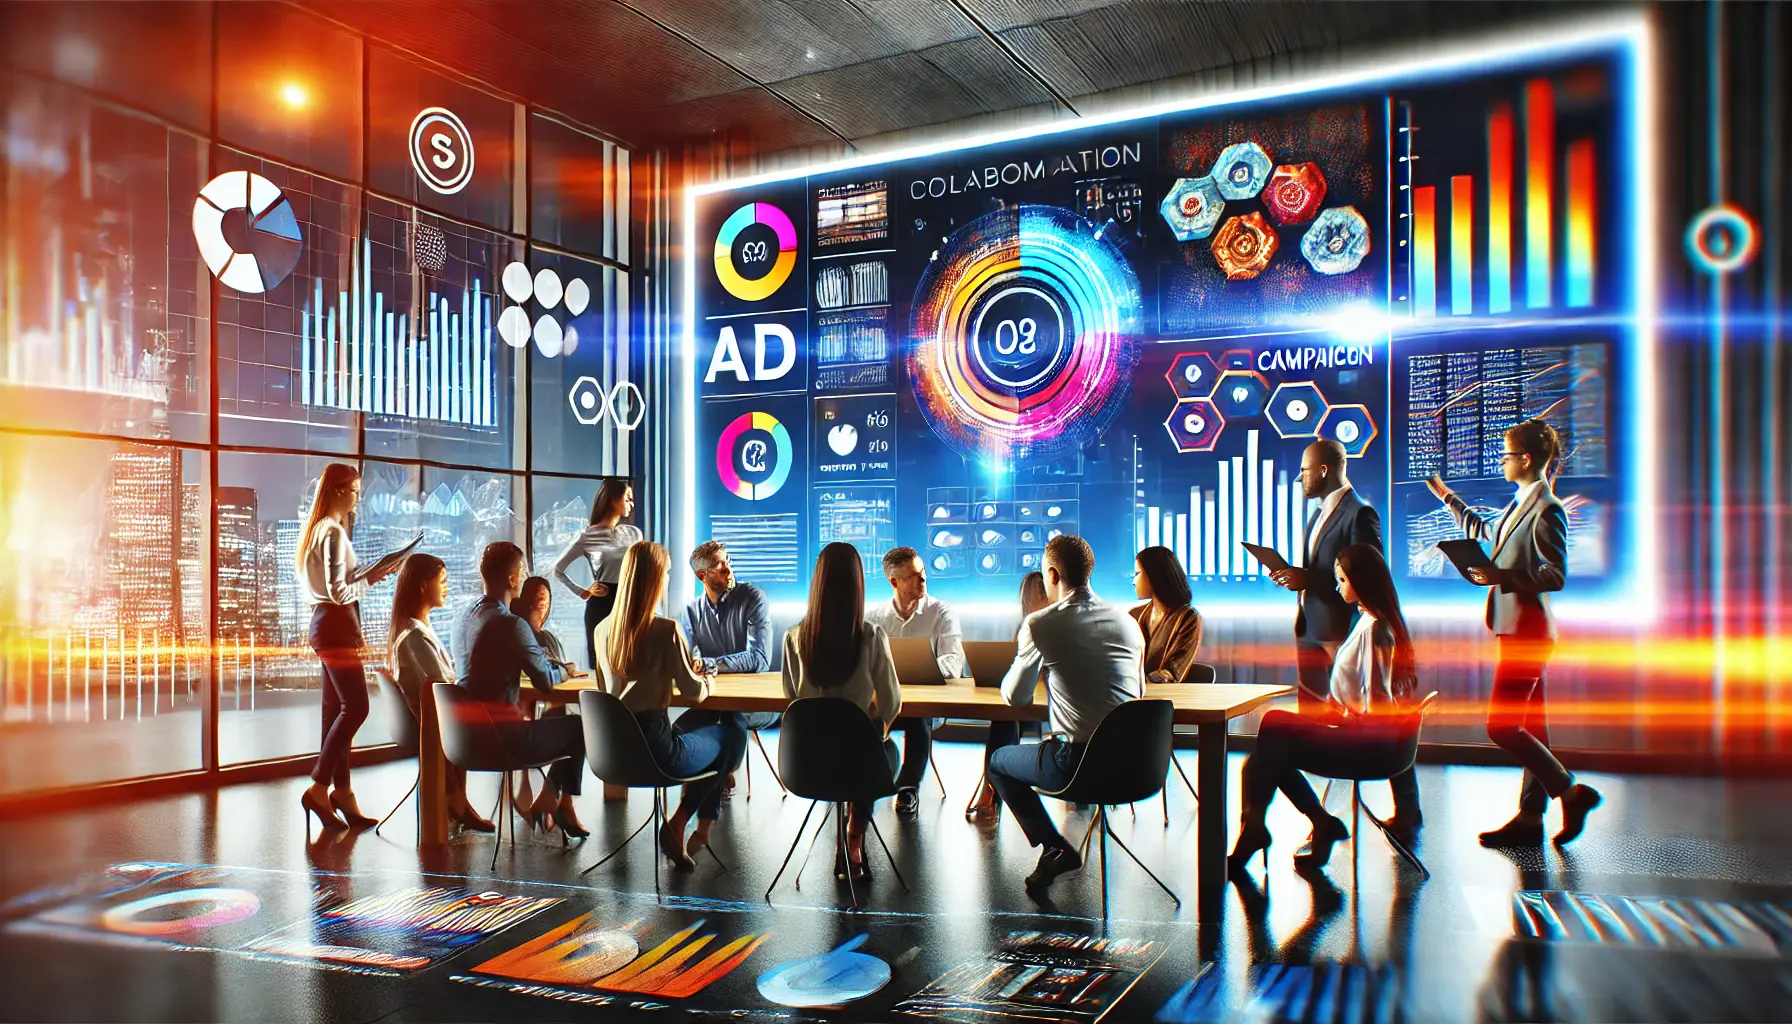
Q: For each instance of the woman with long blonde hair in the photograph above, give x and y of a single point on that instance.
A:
(335, 582)
(642, 657)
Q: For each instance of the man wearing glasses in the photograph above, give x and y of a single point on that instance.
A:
(910, 611)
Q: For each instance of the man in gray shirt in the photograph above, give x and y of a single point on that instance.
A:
(1092, 653)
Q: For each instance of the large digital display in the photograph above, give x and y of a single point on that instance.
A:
(1130, 330)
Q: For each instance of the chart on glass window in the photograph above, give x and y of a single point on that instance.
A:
(1132, 331)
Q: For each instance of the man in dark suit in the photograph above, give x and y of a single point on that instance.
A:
(1324, 618)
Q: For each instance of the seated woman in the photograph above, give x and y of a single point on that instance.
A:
(1002, 734)
(533, 605)
(1372, 682)
(418, 660)
(834, 652)
(641, 658)
(1170, 623)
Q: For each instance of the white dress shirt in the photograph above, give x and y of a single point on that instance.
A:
(419, 660)
(1326, 508)
(332, 573)
(603, 548)
(1362, 674)
(1095, 656)
(1518, 499)
(932, 618)
(872, 685)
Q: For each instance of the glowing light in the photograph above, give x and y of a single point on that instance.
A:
(1580, 223)
(294, 95)
(1424, 251)
(1499, 209)
(1462, 245)
(1539, 154)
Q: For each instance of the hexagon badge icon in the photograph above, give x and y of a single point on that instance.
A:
(1350, 426)
(1297, 409)
(1244, 246)
(1294, 193)
(1241, 393)
(1337, 242)
(1195, 426)
(1192, 208)
(1242, 170)
(1192, 375)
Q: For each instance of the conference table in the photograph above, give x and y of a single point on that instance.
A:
(1206, 706)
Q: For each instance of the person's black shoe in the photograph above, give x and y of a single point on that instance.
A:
(908, 802)
(1512, 834)
(1577, 803)
(1405, 824)
(1327, 833)
(1054, 861)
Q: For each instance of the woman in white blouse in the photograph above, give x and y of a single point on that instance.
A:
(602, 545)
(1372, 683)
(642, 658)
(834, 652)
(419, 661)
(335, 583)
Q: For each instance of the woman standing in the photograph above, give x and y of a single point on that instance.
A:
(1169, 621)
(335, 584)
(602, 545)
(1530, 559)
(1372, 683)
(642, 658)
(1001, 734)
(419, 661)
(834, 652)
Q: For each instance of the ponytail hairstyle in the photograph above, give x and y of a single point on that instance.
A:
(1540, 441)
(1374, 585)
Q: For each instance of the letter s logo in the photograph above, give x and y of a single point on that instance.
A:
(444, 146)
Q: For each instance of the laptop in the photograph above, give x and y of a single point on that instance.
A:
(915, 663)
(989, 660)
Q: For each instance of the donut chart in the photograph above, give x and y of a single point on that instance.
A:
(730, 450)
(755, 273)
(1024, 333)
(246, 231)
(211, 908)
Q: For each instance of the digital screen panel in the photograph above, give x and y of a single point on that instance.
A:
(1131, 330)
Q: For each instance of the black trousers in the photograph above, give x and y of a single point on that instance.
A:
(336, 637)
(917, 743)
(559, 738)
(597, 609)
(1515, 719)
(1288, 744)
(1314, 662)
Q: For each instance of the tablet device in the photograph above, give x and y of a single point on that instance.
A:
(1465, 555)
(391, 559)
(988, 661)
(915, 663)
(1271, 559)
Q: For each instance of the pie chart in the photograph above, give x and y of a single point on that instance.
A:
(246, 231)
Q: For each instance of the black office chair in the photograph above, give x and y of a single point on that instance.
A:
(617, 751)
(472, 743)
(1406, 754)
(830, 751)
(405, 730)
(747, 764)
(1127, 760)
(1201, 672)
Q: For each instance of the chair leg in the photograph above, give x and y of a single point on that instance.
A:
(1101, 819)
(498, 843)
(1135, 859)
(1185, 781)
(800, 829)
(769, 763)
(1083, 847)
(931, 763)
(887, 855)
(971, 804)
(810, 851)
(852, 891)
(400, 803)
(620, 846)
(746, 764)
(659, 812)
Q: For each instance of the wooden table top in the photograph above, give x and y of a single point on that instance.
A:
(1196, 703)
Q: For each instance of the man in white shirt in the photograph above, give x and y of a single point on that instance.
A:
(912, 612)
(1093, 654)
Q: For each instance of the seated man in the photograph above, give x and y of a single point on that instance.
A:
(494, 648)
(911, 612)
(1092, 654)
(729, 627)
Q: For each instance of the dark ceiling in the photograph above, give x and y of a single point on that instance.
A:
(787, 74)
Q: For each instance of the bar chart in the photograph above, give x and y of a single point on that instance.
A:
(1250, 499)
(360, 356)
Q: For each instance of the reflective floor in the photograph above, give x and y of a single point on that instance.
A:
(1677, 904)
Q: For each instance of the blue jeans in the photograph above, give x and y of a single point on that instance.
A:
(713, 745)
(1015, 770)
(753, 721)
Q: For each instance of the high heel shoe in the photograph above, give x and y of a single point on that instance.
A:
(671, 840)
(471, 821)
(569, 827)
(320, 807)
(1327, 833)
(1252, 840)
(354, 818)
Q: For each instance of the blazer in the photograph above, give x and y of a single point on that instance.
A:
(1534, 554)
(1172, 649)
(1324, 617)
(662, 666)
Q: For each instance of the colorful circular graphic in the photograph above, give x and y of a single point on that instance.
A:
(738, 450)
(1023, 334)
(835, 978)
(755, 251)
(1721, 239)
(246, 231)
(199, 909)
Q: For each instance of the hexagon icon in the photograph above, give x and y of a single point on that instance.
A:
(1294, 193)
(1192, 208)
(1192, 375)
(1244, 246)
(1337, 241)
(1350, 426)
(1241, 393)
(1242, 170)
(1297, 409)
(1195, 426)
